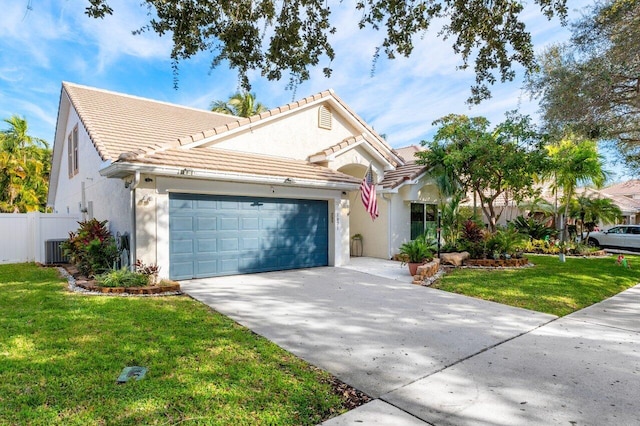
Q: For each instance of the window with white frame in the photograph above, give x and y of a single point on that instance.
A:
(72, 146)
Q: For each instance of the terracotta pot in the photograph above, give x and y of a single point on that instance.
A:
(413, 268)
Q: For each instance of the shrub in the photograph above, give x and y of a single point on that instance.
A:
(122, 278)
(535, 229)
(477, 250)
(506, 241)
(416, 251)
(471, 232)
(542, 247)
(92, 249)
(151, 271)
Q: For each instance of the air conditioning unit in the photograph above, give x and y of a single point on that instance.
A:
(53, 252)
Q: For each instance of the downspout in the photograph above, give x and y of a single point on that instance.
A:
(132, 242)
(389, 223)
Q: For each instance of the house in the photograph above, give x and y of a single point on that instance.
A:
(627, 196)
(205, 194)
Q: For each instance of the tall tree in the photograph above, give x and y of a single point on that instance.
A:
(240, 105)
(574, 161)
(592, 84)
(493, 164)
(291, 37)
(25, 164)
(589, 210)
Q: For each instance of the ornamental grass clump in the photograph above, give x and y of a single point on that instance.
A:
(122, 278)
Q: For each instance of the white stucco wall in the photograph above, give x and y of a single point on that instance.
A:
(374, 233)
(294, 135)
(152, 213)
(104, 198)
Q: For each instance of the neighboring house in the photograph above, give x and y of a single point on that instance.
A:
(205, 194)
(627, 196)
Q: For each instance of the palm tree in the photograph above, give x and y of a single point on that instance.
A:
(240, 105)
(590, 210)
(575, 161)
(25, 164)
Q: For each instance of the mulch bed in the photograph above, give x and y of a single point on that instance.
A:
(83, 284)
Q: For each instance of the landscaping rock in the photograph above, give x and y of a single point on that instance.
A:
(455, 259)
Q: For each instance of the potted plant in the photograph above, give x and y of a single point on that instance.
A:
(414, 253)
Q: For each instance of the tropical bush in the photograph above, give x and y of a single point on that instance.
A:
(506, 241)
(92, 249)
(417, 251)
(535, 229)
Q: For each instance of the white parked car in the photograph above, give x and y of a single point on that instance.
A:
(622, 236)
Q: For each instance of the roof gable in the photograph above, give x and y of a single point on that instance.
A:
(210, 136)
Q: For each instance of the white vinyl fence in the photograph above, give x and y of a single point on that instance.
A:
(23, 235)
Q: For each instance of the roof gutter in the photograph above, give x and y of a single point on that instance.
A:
(121, 170)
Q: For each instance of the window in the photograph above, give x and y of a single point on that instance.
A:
(423, 218)
(72, 153)
(324, 118)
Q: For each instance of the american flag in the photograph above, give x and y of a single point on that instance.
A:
(368, 194)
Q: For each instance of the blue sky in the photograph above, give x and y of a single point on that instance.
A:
(45, 42)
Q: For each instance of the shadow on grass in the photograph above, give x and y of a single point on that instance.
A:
(61, 353)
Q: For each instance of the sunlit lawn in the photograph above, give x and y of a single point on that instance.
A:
(551, 286)
(61, 353)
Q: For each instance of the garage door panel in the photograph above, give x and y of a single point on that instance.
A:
(204, 204)
(228, 244)
(182, 247)
(207, 245)
(244, 234)
(229, 223)
(181, 204)
(182, 223)
(206, 223)
(250, 223)
(228, 266)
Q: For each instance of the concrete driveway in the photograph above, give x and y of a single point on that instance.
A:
(436, 357)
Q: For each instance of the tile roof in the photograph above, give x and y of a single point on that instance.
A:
(120, 123)
(626, 204)
(408, 152)
(239, 122)
(394, 178)
(628, 188)
(242, 163)
(352, 140)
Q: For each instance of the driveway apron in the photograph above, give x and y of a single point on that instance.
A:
(440, 358)
(373, 333)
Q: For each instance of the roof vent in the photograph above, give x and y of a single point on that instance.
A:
(324, 117)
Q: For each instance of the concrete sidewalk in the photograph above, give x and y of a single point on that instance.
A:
(433, 357)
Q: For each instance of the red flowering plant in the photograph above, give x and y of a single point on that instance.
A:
(92, 249)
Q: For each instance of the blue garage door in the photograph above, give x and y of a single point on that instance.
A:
(224, 235)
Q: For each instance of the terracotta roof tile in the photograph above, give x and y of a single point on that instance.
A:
(379, 141)
(226, 161)
(394, 178)
(351, 140)
(408, 152)
(120, 123)
(628, 188)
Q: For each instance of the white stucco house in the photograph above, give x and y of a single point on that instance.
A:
(204, 194)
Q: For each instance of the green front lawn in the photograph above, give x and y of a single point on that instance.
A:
(551, 286)
(61, 353)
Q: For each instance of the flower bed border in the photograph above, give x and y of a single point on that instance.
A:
(88, 285)
(497, 263)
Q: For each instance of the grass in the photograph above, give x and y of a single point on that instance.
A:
(551, 286)
(61, 353)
